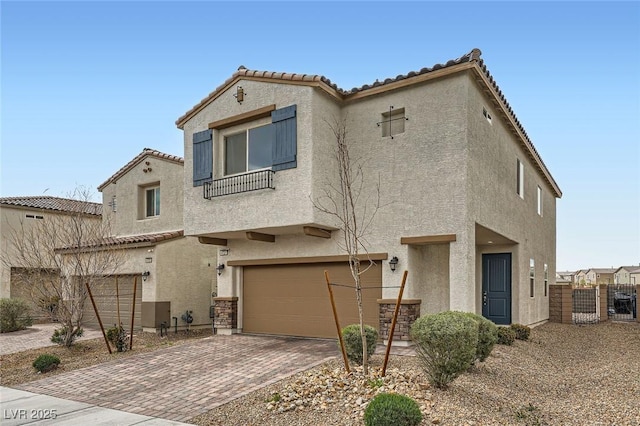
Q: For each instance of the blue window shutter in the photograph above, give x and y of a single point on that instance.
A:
(285, 143)
(202, 157)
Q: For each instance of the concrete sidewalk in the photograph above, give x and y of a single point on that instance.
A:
(26, 408)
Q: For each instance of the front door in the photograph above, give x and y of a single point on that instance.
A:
(496, 287)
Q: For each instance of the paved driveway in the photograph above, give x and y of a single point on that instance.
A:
(36, 336)
(181, 382)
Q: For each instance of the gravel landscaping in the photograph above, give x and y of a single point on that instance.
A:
(564, 375)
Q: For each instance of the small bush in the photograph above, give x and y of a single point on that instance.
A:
(392, 409)
(60, 336)
(118, 337)
(14, 315)
(506, 336)
(353, 341)
(522, 331)
(46, 363)
(446, 345)
(487, 336)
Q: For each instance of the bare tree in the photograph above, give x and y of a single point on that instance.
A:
(55, 256)
(354, 204)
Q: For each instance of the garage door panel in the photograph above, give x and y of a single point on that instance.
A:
(104, 294)
(293, 299)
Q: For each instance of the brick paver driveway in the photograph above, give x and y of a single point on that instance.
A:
(180, 382)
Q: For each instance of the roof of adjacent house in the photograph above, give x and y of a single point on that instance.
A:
(147, 152)
(470, 60)
(58, 204)
(141, 240)
(602, 270)
(629, 268)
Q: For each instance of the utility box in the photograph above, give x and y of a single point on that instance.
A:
(155, 313)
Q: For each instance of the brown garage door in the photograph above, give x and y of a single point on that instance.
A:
(293, 300)
(104, 294)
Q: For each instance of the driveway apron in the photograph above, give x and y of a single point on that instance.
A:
(181, 382)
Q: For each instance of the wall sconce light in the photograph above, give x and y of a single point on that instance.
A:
(220, 268)
(239, 94)
(145, 275)
(393, 262)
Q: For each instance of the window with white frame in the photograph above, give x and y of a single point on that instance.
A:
(532, 278)
(152, 201)
(251, 149)
(546, 279)
(539, 201)
(520, 178)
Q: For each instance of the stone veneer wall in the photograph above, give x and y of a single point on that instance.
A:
(226, 312)
(408, 313)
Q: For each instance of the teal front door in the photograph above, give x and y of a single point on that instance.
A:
(496, 287)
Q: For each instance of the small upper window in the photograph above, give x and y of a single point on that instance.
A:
(152, 202)
(32, 216)
(392, 122)
(520, 179)
(249, 150)
(546, 279)
(540, 201)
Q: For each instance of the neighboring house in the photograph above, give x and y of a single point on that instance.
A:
(600, 276)
(173, 274)
(634, 276)
(622, 275)
(18, 213)
(564, 278)
(580, 277)
(469, 207)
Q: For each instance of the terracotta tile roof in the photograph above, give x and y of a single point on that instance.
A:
(137, 240)
(136, 160)
(473, 57)
(54, 204)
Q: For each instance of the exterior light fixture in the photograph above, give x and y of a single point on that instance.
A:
(393, 262)
(220, 268)
(145, 275)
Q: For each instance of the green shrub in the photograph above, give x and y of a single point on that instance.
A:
(487, 336)
(46, 363)
(118, 337)
(522, 331)
(446, 345)
(60, 336)
(392, 409)
(14, 315)
(506, 336)
(353, 341)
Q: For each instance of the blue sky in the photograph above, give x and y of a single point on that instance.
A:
(87, 85)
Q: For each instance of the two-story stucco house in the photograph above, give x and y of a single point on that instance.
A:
(623, 274)
(23, 214)
(599, 275)
(469, 207)
(172, 274)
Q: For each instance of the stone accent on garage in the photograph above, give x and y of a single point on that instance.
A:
(225, 314)
(409, 311)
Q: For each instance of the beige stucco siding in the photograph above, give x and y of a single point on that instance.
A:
(129, 190)
(262, 208)
(494, 204)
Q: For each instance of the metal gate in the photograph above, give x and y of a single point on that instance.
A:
(622, 302)
(585, 305)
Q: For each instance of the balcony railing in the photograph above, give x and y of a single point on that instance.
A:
(262, 179)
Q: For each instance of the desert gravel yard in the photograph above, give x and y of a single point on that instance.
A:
(564, 375)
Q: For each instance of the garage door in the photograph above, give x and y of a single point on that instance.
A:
(104, 294)
(293, 300)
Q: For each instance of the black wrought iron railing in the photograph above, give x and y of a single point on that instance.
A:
(262, 179)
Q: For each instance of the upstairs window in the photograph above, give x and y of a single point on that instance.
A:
(546, 279)
(152, 202)
(539, 201)
(392, 122)
(520, 178)
(249, 150)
